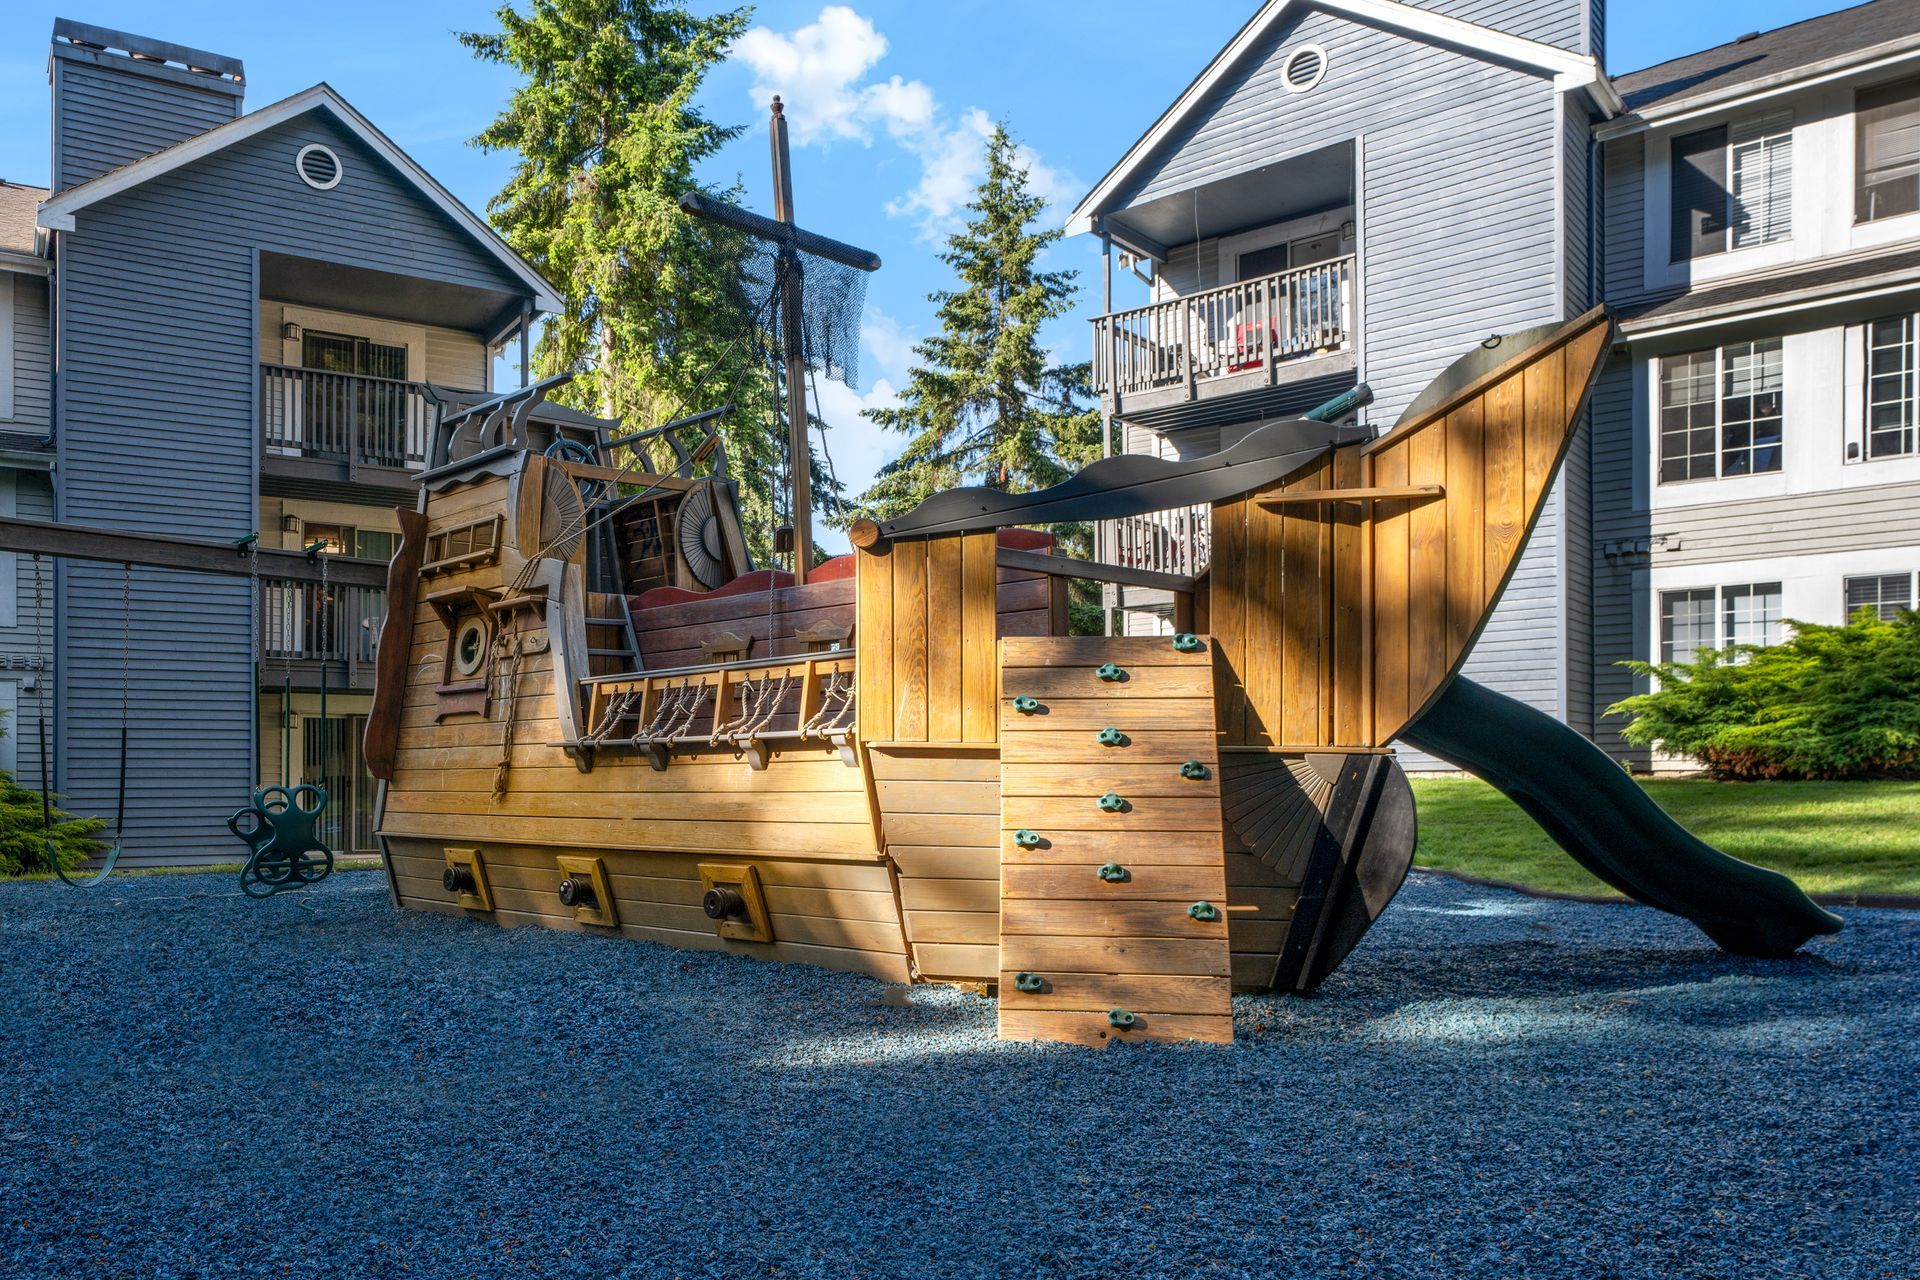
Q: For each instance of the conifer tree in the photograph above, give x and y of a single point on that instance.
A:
(656, 323)
(982, 405)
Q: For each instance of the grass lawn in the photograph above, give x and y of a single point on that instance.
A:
(1832, 837)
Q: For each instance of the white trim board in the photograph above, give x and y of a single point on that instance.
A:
(58, 213)
(1570, 71)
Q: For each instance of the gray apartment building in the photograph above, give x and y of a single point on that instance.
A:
(1361, 189)
(221, 322)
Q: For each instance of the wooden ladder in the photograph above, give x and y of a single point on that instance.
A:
(1112, 866)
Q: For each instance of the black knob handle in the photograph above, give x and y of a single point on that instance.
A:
(723, 902)
(575, 892)
(459, 879)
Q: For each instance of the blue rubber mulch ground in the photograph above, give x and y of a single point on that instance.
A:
(193, 1084)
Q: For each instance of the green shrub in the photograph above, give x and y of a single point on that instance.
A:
(23, 832)
(1830, 702)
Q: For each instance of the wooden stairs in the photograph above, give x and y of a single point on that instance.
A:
(1112, 875)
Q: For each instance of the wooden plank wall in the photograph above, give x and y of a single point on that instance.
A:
(929, 614)
(1100, 945)
(941, 811)
(1336, 622)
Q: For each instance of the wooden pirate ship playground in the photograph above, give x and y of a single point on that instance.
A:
(899, 763)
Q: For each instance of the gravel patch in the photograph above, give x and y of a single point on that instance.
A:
(194, 1084)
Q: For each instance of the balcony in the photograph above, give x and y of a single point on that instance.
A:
(1179, 541)
(317, 425)
(1236, 353)
(308, 629)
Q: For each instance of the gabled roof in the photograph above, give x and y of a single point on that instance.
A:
(1570, 71)
(17, 203)
(1882, 26)
(58, 213)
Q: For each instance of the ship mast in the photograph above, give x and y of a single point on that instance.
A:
(799, 452)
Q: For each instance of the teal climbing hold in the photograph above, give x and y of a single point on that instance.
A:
(1111, 802)
(1028, 982)
(1112, 873)
(1111, 671)
(1026, 839)
(1120, 1018)
(1026, 706)
(1111, 737)
(1186, 642)
(1204, 912)
(1194, 769)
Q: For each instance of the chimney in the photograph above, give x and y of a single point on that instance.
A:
(118, 97)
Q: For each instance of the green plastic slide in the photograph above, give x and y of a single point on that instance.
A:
(1600, 816)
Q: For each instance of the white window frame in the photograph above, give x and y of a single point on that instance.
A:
(1879, 606)
(1723, 630)
(1721, 395)
(1660, 269)
(1911, 398)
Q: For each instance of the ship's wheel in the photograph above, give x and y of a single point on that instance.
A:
(697, 530)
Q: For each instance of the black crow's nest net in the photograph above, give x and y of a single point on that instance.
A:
(833, 293)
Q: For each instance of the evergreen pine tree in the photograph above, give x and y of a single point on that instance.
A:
(982, 405)
(656, 324)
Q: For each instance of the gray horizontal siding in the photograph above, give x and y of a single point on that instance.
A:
(1618, 585)
(1867, 519)
(1623, 234)
(456, 359)
(32, 358)
(104, 118)
(1563, 23)
(1576, 483)
(30, 638)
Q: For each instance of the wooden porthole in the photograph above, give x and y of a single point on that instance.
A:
(588, 890)
(732, 898)
(466, 879)
(469, 647)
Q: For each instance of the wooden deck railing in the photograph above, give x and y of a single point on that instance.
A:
(1179, 541)
(348, 417)
(307, 622)
(1240, 328)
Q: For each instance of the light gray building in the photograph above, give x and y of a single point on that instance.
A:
(1754, 443)
(1390, 182)
(256, 318)
(1359, 189)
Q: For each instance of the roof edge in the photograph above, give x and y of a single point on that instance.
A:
(57, 214)
(1571, 71)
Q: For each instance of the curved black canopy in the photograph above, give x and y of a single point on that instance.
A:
(1133, 484)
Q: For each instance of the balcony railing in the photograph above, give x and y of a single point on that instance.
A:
(344, 417)
(306, 622)
(1179, 541)
(1242, 328)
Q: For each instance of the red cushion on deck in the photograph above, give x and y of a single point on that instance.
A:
(758, 580)
(1025, 539)
(832, 570)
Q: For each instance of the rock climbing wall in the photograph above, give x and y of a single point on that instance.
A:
(1112, 878)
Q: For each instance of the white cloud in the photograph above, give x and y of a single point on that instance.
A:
(820, 71)
(889, 342)
(859, 447)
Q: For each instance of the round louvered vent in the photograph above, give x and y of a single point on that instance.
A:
(697, 530)
(318, 167)
(1304, 68)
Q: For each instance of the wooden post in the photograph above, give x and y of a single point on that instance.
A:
(800, 454)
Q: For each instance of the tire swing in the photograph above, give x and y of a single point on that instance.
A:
(46, 765)
(284, 848)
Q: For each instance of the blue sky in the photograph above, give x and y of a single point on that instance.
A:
(888, 98)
